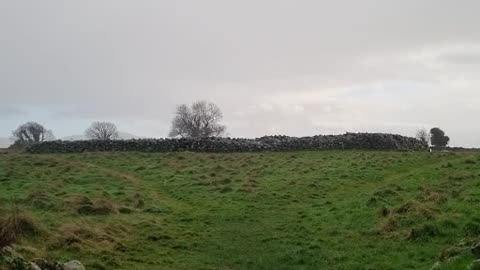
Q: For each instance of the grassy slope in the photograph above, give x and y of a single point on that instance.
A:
(302, 210)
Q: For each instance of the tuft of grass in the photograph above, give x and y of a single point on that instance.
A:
(413, 207)
(15, 225)
(472, 229)
(470, 161)
(97, 207)
(423, 232)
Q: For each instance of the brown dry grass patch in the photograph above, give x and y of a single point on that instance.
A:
(17, 224)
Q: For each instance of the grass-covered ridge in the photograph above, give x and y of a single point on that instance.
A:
(295, 210)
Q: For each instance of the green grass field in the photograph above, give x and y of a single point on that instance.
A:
(298, 210)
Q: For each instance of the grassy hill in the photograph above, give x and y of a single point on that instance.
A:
(298, 210)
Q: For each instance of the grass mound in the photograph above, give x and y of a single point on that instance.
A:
(83, 205)
(81, 236)
(98, 207)
(423, 232)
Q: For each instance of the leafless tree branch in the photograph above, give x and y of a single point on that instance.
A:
(102, 131)
(423, 135)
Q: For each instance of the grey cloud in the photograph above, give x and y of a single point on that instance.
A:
(10, 111)
(338, 65)
(461, 58)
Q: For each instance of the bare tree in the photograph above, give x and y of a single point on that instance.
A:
(423, 135)
(199, 120)
(31, 133)
(102, 131)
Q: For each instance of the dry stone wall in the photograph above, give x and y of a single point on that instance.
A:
(367, 141)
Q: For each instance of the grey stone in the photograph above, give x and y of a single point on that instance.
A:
(73, 265)
(34, 266)
(436, 266)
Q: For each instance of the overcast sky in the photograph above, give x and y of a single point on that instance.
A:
(293, 67)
